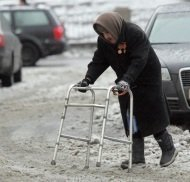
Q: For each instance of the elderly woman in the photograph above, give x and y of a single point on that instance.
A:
(125, 47)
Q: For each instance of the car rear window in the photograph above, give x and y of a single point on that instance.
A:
(171, 28)
(31, 18)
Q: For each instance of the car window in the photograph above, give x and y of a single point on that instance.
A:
(171, 28)
(7, 16)
(31, 18)
(5, 24)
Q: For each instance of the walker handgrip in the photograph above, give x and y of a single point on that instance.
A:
(116, 89)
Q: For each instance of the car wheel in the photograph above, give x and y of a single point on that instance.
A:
(7, 81)
(30, 54)
(18, 76)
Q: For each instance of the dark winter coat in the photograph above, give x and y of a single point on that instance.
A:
(140, 67)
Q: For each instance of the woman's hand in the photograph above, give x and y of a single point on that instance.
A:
(122, 87)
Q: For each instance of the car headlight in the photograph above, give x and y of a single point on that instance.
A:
(165, 74)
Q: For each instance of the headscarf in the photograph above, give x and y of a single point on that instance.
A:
(110, 22)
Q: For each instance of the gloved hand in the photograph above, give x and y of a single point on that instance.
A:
(121, 88)
(84, 83)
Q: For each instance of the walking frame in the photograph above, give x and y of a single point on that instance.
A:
(93, 105)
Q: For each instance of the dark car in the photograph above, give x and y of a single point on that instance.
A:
(39, 30)
(169, 33)
(10, 55)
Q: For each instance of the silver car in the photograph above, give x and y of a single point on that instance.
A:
(10, 55)
(169, 33)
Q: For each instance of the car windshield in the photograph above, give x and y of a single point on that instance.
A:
(171, 28)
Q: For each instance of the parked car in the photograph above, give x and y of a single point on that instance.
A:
(10, 55)
(169, 33)
(39, 30)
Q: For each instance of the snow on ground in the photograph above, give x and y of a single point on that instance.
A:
(30, 117)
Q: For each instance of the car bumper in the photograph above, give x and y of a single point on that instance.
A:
(56, 47)
(177, 92)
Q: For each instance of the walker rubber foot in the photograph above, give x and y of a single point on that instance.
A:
(86, 167)
(98, 164)
(53, 162)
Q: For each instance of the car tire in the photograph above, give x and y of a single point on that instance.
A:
(7, 80)
(18, 76)
(30, 54)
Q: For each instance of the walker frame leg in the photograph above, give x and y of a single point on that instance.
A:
(90, 133)
(53, 162)
(129, 142)
(98, 163)
(67, 104)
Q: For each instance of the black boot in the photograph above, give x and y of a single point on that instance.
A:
(137, 153)
(169, 152)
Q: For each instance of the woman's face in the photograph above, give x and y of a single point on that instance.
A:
(109, 37)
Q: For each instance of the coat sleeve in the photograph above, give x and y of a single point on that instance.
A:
(98, 64)
(139, 49)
